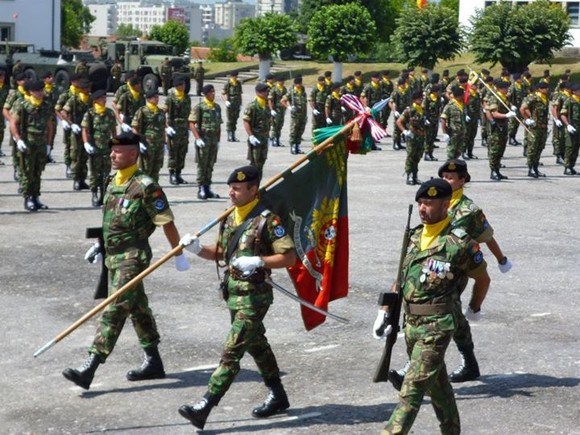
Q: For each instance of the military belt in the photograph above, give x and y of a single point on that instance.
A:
(257, 277)
(428, 309)
(122, 247)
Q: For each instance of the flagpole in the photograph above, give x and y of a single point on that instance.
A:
(124, 289)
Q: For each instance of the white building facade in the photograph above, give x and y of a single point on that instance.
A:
(229, 14)
(32, 21)
(105, 19)
(276, 6)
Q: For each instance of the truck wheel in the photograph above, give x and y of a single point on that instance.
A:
(150, 82)
(98, 75)
(61, 81)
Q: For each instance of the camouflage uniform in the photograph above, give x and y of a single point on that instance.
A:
(539, 113)
(66, 134)
(150, 124)
(259, 119)
(333, 108)
(432, 108)
(234, 96)
(76, 109)
(298, 115)
(347, 89)
(119, 92)
(278, 95)
(373, 93)
(131, 213)
(434, 276)
(473, 110)
(559, 98)
(199, 75)
(100, 127)
(516, 94)
(498, 133)
(208, 122)
(413, 118)
(127, 104)
(51, 96)
(317, 98)
(4, 91)
(166, 73)
(116, 72)
(571, 110)
(248, 299)
(455, 116)
(177, 113)
(12, 100)
(387, 87)
(401, 98)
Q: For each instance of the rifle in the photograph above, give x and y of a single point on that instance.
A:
(394, 300)
(102, 290)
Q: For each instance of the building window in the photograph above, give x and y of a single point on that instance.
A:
(573, 9)
(6, 32)
(489, 3)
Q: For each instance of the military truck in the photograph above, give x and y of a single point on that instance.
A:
(146, 58)
(61, 64)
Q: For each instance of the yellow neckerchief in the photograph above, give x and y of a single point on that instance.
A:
(123, 175)
(35, 101)
(433, 97)
(473, 92)
(502, 95)
(320, 87)
(458, 103)
(528, 83)
(134, 93)
(542, 97)
(210, 104)
(387, 80)
(336, 95)
(328, 82)
(374, 85)
(22, 90)
(152, 107)
(546, 80)
(432, 231)
(349, 87)
(1, 85)
(281, 86)
(179, 94)
(99, 108)
(418, 108)
(358, 82)
(576, 98)
(567, 93)
(298, 89)
(84, 97)
(455, 197)
(73, 90)
(241, 212)
(518, 85)
(233, 82)
(270, 85)
(48, 87)
(402, 89)
(261, 101)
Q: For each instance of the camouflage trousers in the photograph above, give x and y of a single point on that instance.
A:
(426, 346)
(497, 142)
(558, 140)
(152, 161)
(297, 126)
(247, 334)
(205, 158)
(456, 145)
(430, 136)
(470, 133)
(66, 138)
(233, 113)
(484, 125)
(513, 126)
(572, 146)
(133, 304)
(178, 147)
(536, 144)
(415, 149)
(383, 118)
(100, 166)
(257, 155)
(318, 121)
(31, 164)
(462, 335)
(277, 123)
(79, 157)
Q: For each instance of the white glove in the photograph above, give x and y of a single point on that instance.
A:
(471, 315)
(181, 263)
(64, 124)
(142, 147)
(315, 112)
(228, 104)
(94, 255)
(199, 143)
(514, 109)
(21, 145)
(467, 118)
(427, 123)
(76, 129)
(89, 148)
(247, 265)
(170, 131)
(442, 99)
(273, 113)
(558, 123)
(328, 121)
(571, 129)
(292, 109)
(511, 114)
(445, 138)
(408, 134)
(191, 243)
(396, 114)
(254, 141)
(380, 329)
(506, 266)
(126, 128)
(343, 109)
(530, 122)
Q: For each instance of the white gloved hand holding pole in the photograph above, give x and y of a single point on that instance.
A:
(170, 131)
(191, 243)
(21, 145)
(380, 328)
(472, 316)
(247, 265)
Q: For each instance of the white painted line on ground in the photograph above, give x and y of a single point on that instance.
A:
(541, 314)
(318, 349)
(201, 368)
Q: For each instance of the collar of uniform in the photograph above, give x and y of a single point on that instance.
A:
(123, 175)
(241, 212)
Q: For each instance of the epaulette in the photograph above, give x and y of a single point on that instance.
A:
(265, 213)
(145, 180)
(459, 232)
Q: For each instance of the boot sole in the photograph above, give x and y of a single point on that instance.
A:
(73, 377)
(145, 378)
(185, 413)
(281, 408)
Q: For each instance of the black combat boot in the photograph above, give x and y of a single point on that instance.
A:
(514, 142)
(531, 172)
(83, 375)
(468, 370)
(559, 159)
(180, 180)
(298, 150)
(495, 175)
(101, 195)
(230, 136)
(152, 367)
(538, 173)
(39, 205)
(29, 204)
(410, 181)
(570, 171)
(95, 197)
(415, 179)
(198, 413)
(278, 142)
(292, 149)
(273, 142)
(201, 192)
(484, 142)
(210, 193)
(276, 401)
(234, 138)
(375, 147)
(173, 178)
(397, 145)
(15, 175)
(396, 376)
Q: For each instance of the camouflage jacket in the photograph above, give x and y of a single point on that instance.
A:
(13, 97)
(401, 98)
(258, 117)
(539, 109)
(473, 107)
(177, 110)
(62, 99)
(413, 118)
(387, 87)
(516, 94)
(298, 100)
(432, 107)
(318, 97)
(571, 109)
(100, 127)
(455, 119)
(33, 121)
(333, 108)
(76, 109)
(120, 91)
(373, 94)
(150, 124)
(276, 96)
(4, 91)
(469, 217)
(233, 92)
(208, 121)
(128, 105)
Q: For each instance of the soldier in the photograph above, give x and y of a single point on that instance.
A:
(4, 90)
(257, 119)
(424, 79)
(232, 95)
(199, 75)
(453, 123)
(73, 112)
(177, 109)
(358, 83)
(134, 205)
(17, 68)
(432, 109)
(498, 114)
(166, 73)
(247, 295)
(485, 95)
(317, 102)
(82, 69)
(535, 110)
(128, 103)
(439, 261)
(270, 81)
(51, 96)
(205, 123)
(122, 89)
(387, 87)
(472, 114)
(516, 94)
(277, 101)
(348, 89)
(484, 75)
(400, 99)
(298, 114)
(333, 106)
(66, 133)
(32, 125)
(371, 94)
(149, 123)
(558, 131)
(328, 80)
(99, 127)
(570, 115)
(116, 72)
(412, 125)
(546, 77)
(15, 96)
(505, 76)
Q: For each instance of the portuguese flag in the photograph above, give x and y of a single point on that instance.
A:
(312, 203)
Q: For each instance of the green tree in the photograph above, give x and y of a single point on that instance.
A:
(451, 4)
(173, 33)
(128, 31)
(264, 36)
(222, 51)
(341, 31)
(424, 36)
(76, 21)
(515, 36)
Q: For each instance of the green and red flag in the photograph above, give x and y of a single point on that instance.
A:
(312, 203)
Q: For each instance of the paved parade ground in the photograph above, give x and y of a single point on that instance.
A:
(527, 343)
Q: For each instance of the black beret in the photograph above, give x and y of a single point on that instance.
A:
(46, 75)
(489, 79)
(298, 80)
(461, 72)
(349, 79)
(34, 85)
(179, 80)
(463, 79)
(358, 73)
(135, 80)
(244, 174)
(436, 87)
(336, 85)
(417, 94)
(20, 76)
(234, 74)
(386, 73)
(74, 77)
(320, 78)
(280, 78)
(445, 72)
(327, 73)
(128, 138)
(375, 75)
(485, 71)
(269, 76)
(455, 165)
(207, 89)
(499, 83)
(542, 85)
(435, 188)
(129, 74)
(98, 94)
(84, 83)
(457, 91)
(153, 92)
(516, 76)
(401, 81)
(262, 87)
(547, 73)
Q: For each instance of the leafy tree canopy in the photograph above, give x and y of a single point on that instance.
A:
(76, 21)
(173, 33)
(128, 31)
(265, 35)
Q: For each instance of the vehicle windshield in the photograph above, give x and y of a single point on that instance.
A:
(17, 48)
(156, 50)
